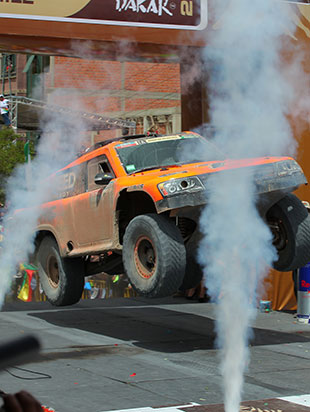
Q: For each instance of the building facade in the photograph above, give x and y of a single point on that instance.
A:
(147, 93)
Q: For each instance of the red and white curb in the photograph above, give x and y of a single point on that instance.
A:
(302, 400)
(175, 408)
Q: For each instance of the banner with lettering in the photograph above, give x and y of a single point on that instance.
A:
(178, 14)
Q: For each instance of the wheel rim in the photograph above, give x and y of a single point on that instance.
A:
(53, 271)
(279, 234)
(145, 257)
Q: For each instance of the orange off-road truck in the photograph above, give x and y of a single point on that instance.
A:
(134, 202)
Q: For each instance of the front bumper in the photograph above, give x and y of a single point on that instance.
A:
(181, 200)
(266, 187)
(287, 183)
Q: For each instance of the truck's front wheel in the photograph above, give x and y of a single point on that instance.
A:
(62, 280)
(154, 255)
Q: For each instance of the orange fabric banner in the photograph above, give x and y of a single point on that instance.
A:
(279, 289)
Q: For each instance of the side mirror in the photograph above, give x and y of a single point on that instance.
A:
(103, 178)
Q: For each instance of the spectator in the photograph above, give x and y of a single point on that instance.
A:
(199, 293)
(4, 107)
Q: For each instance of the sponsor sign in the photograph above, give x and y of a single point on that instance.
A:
(174, 14)
(304, 278)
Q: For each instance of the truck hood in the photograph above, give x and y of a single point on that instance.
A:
(264, 166)
(269, 173)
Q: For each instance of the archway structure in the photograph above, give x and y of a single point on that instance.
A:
(150, 26)
(159, 30)
(162, 30)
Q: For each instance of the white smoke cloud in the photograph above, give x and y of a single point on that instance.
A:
(250, 99)
(235, 249)
(250, 94)
(59, 143)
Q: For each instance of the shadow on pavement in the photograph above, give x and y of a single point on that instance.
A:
(154, 328)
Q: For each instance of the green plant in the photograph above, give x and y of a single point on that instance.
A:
(11, 154)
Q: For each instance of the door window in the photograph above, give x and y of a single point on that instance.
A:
(98, 165)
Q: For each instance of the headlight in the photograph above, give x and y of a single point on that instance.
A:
(287, 167)
(279, 169)
(177, 186)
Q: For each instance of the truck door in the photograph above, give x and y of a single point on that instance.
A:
(93, 210)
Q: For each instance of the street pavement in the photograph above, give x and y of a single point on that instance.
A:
(119, 354)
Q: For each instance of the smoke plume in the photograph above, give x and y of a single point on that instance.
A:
(59, 143)
(250, 98)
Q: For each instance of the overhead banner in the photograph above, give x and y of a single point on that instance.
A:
(174, 14)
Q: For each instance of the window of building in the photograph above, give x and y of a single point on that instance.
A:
(8, 65)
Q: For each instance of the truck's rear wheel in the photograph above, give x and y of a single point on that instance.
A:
(154, 255)
(289, 222)
(62, 280)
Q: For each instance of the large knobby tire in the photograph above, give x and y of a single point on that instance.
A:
(154, 255)
(289, 221)
(62, 279)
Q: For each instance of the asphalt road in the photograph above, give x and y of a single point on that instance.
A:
(113, 354)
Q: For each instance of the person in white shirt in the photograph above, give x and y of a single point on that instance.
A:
(4, 108)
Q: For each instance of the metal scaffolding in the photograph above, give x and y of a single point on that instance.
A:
(33, 115)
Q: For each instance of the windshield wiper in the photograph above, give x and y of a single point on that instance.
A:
(144, 169)
(162, 167)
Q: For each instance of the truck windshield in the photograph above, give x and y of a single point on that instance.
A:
(148, 153)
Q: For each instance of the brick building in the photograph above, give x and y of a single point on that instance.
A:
(145, 92)
(13, 81)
